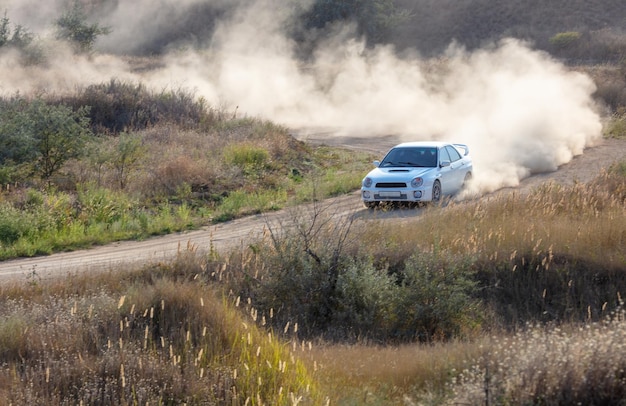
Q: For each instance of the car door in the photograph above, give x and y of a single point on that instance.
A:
(446, 173)
(457, 168)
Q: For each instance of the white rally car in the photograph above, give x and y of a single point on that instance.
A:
(418, 172)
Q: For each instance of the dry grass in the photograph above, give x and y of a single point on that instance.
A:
(163, 334)
(369, 374)
(554, 366)
(139, 338)
(584, 220)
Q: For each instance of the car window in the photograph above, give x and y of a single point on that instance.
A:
(392, 158)
(425, 157)
(454, 154)
(421, 157)
(444, 155)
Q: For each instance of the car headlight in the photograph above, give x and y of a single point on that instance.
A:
(417, 182)
(367, 182)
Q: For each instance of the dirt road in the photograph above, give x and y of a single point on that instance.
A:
(163, 249)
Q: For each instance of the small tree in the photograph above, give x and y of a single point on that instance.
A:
(19, 37)
(375, 18)
(126, 157)
(58, 134)
(73, 27)
(17, 144)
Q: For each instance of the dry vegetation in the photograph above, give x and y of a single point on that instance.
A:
(153, 336)
(247, 326)
(510, 299)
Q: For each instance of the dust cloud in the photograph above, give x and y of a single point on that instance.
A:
(520, 111)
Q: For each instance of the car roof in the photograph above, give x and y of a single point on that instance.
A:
(437, 144)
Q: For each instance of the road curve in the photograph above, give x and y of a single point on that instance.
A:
(165, 248)
(242, 231)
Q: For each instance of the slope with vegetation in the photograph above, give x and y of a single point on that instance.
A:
(116, 161)
(515, 299)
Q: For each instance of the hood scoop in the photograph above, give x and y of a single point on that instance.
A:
(398, 170)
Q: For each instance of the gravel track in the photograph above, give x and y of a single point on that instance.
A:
(242, 231)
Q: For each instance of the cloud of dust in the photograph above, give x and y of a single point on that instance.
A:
(520, 111)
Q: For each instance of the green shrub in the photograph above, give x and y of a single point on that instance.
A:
(619, 169)
(41, 135)
(565, 39)
(616, 128)
(10, 228)
(316, 276)
(251, 159)
(367, 300)
(102, 206)
(16, 223)
(437, 298)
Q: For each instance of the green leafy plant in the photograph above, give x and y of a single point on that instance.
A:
(73, 27)
(19, 37)
(126, 158)
(250, 159)
(42, 135)
(565, 39)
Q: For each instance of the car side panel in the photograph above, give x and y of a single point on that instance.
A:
(446, 174)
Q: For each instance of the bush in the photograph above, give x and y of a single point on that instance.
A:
(41, 134)
(616, 128)
(10, 228)
(437, 298)
(375, 18)
(121, 106)
(250, 159)
(367, 300)
(102, 206)
(564, 40)
(313, 274)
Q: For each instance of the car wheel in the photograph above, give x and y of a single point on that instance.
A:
(371, 205)
(436, 192)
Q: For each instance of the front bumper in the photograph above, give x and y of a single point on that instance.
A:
(403, 195)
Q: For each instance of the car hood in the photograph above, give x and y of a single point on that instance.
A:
(398, 173)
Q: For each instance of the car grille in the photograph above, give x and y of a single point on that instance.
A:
(402, 196)
(391, 185)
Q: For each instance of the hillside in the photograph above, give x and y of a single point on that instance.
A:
(474, 23)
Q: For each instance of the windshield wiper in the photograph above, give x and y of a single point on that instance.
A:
(410, 164)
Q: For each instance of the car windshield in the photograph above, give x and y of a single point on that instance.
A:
(418, 157)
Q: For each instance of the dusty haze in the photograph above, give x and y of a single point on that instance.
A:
(520, 111)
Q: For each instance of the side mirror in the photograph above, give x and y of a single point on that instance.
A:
(443, 164)
(376, 163)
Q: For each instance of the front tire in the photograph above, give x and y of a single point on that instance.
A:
(371, 205)
(436, 198)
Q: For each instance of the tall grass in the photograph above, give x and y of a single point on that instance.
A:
(310, 312)
(141, 337)
(553, 366)
(46, 222)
